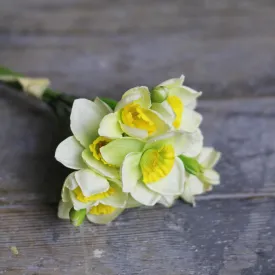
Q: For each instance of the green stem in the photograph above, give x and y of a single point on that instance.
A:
(59, 102)
(13, 85)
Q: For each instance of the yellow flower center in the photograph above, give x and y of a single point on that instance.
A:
(102, 209)
(157, 163)
(96, 145)
(133, 115)
(79, 195)
(177, 106)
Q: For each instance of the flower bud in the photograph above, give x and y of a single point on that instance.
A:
(77, 216)
(191, 165)
(159, 94)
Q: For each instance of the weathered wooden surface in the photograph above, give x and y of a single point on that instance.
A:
(224, 47)
(88, 48)
(217, 237)
(232, 231)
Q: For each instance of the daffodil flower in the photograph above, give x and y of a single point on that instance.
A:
(152, 170)
(102, 199)
(201, 176)
(175, 103)
(145, 149)
(133, 117)
(82, 150)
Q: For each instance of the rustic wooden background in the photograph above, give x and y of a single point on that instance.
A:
(225, 48)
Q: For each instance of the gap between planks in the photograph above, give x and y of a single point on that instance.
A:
(235, 196)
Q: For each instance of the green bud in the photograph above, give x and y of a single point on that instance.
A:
(159, 94)
(191, 165)
(77, 216)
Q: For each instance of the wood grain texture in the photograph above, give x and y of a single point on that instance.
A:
(103, 47)
(235, 237)
(225, 48)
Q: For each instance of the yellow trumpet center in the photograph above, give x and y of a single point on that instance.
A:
(96, 145)
(133, 115)
(177, 106)
(102, 209)
(79, 195)
(157, 163)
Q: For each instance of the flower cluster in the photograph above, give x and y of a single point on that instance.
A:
(147, 149)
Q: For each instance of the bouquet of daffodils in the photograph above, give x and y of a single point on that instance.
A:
(145, 149)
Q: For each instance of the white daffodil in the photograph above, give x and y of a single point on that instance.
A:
(101, 199)
(176, 103)
(133, 117)
(201, 175)
(82, 150)
(153, 171)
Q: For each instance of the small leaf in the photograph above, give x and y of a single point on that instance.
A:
(77, 216)
(191, 165)
(110, 102)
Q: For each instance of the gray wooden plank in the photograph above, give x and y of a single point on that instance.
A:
(225, 48)
(243, 130)
(157, 15)
(89, 48)
(217, 237)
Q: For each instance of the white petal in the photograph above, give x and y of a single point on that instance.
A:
(131, 202)
(134, 132)
(211, 176)
(118, 199)
(186, 94)
(130, 171)
(188, 144)
(167, 201)
(161, 126)
(68, 152)
(144, 195)
(65, 193)
(90, 182)
(99, 166)
(193, 187)
(167, 137)
(140, 95)
(208, 157)
(190, 120)
(173, 184)
(105, 108)
(104, 219)
(165, 110)
(192, 105)
(115, 151)
(70, 182)
(64, 209)
(110, 127)
(85, 119)
(173, 82)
